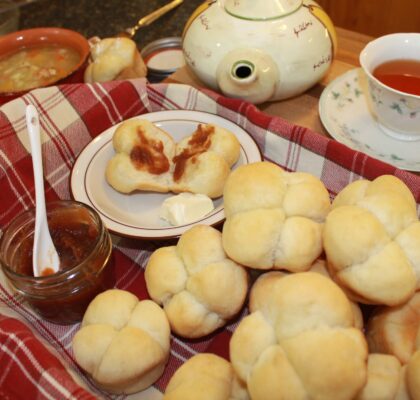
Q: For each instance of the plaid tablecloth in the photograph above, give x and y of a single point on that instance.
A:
(36, 360)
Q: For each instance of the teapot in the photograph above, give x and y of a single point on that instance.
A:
(259, 50)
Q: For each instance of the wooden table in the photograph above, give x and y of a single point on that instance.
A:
(303, 109)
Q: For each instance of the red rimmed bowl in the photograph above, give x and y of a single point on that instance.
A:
(41, 37)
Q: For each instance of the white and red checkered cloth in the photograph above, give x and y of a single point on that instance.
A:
(36, 360)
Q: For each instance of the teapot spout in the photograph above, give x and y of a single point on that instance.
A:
(248, 74)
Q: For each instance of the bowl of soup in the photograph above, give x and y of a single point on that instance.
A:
(40, 57)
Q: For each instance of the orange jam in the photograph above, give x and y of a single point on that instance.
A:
(84, 247)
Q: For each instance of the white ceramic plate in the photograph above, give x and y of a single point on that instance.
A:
(345, 112)
(137, 214)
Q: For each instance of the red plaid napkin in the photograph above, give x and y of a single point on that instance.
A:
(36, 358)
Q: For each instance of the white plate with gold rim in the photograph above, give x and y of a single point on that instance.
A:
(345, 113)
(137, 214)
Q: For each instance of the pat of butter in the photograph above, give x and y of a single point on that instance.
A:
(185, 208)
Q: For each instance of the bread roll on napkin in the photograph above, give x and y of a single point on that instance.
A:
(207, 377)
(372, 241)
(389, 380)
(299, 340)
(199, 287)
(385, 379)
(396, 330)
(274, 218)
(123, 343)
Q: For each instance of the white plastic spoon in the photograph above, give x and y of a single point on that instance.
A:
(45, 258)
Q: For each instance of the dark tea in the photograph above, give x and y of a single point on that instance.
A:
(402, 75)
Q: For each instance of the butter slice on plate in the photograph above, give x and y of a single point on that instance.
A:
(185, 208)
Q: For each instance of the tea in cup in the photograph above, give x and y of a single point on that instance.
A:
(392, 66)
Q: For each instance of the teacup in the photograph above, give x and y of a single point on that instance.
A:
(397, 112)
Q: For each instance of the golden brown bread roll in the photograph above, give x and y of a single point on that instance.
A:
(198, 286)
(395, 330)
(372, 241)
(389, 380)
(273, 218)
(298, 342)
(412, 375)
(147, 158)
(384, 378)
(114, 59)
(123, 343)
(206, 377)
(320, 267)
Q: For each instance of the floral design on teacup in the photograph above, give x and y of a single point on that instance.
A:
(400, 105)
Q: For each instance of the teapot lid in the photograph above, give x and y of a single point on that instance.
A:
(261, 9)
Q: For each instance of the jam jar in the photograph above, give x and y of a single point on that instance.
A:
(84, 247)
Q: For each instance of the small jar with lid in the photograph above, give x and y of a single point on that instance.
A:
(84, 247)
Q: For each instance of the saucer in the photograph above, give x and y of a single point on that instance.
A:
(137, 214)
(345, 113)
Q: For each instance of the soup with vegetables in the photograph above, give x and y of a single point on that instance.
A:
(36, 66)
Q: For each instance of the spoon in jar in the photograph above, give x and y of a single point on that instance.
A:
(45, 258)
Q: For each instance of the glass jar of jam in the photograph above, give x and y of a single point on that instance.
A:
(84, 247)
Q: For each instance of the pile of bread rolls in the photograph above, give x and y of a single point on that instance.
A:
(317, 263)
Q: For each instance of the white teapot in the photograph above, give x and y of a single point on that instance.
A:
(259, 50)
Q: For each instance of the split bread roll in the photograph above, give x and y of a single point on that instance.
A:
(204, 159)
(274, 218)
(206, 377)
(299, 340)
(142, 158)
(372, 241)
(114, 59)
(123, 343)
(147, 158)
(199, 287)
(396, 330)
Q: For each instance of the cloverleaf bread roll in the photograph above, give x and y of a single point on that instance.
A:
(114, 59)
(299, 340)
(123, 343)
(372, 241)
(396, 330)
(274, 218)
(199, 287)
(205, 376)
(147, 158)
